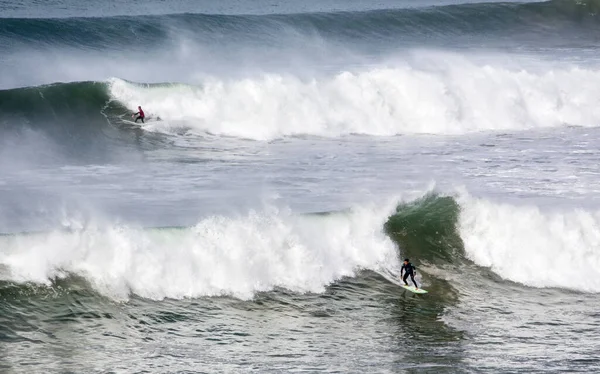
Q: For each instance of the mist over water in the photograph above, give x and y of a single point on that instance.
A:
(291, 156)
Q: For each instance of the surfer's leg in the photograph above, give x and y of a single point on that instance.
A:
(404, 278)
(412, 278)
(136, 118)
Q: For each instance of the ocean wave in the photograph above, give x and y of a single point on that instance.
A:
(243, 255)
(531, 246)
(445, 94)
(559, 18)
(543, 248)
(454, 96)
(237, 256)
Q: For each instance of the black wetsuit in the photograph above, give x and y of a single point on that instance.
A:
(409, 269)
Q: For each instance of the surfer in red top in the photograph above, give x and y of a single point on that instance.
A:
(140, 114)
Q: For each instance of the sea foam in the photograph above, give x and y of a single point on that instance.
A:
(445, 95)
(533, 246)
(236, 256)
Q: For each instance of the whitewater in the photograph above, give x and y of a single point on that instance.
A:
(454, 97)
(263, 250)
(293, 155)
(300, 253)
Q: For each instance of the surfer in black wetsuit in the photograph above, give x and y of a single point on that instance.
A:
(408, 269)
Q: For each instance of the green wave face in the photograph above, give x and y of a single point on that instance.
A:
(61, 101)
(427, 229)
(77, 120)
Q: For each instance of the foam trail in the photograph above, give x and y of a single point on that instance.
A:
(220, 255)
(449, 96)
(536, 248)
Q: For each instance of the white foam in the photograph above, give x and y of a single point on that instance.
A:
(528, 245)
(446, 95)
(220, 255)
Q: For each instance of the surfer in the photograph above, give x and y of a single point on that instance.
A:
(408, 269)
(140, 115)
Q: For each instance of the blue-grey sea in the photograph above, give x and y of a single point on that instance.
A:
(292, 155)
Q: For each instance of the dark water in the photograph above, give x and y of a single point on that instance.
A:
(292, 155)
(571, 22)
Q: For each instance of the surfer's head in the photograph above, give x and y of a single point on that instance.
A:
(139, 107)
(406, 260)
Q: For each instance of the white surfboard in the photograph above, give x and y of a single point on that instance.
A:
(396, 280)
(413, 289)
(140, 123)
(132, 123)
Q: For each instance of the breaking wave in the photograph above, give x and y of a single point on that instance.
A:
(260, 251)
(453, 97)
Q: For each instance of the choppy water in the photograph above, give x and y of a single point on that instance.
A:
(293, 154)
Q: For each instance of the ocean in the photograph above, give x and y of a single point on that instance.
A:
(293, 154)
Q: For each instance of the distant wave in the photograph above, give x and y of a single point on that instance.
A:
(566, 20)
